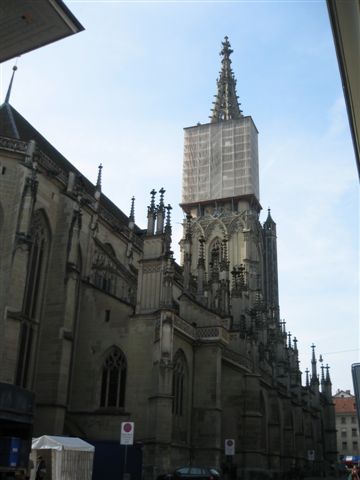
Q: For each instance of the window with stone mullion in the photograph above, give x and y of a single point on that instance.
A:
(178, 389)
(113, 380)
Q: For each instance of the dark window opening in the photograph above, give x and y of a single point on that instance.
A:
(178, 387)
(113, 381)
(24, 355)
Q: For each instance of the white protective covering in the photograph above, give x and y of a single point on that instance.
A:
(220, 161)
(66, 458)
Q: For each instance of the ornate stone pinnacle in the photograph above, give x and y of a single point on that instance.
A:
(98, 181)
(161, 191)
(168, 215)
(152, 201)
(226, 106)
(132, 209)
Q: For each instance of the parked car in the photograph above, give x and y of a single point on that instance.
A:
(196, 473)
(165, 476)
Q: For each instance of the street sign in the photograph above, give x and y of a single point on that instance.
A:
(127, 433)
(229, 446)
(311, 455)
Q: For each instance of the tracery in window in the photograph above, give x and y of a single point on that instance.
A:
(113, 379)
(104, 272)
(36, 266)
(35, 280)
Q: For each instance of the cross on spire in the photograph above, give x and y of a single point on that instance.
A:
(226, 105)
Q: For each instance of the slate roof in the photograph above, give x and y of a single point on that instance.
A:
(14, 125)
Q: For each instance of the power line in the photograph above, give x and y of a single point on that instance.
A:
(342, 351)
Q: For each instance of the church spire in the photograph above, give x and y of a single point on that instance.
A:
(98, 181)
(226, 105)
(7, 98)
(132, 214)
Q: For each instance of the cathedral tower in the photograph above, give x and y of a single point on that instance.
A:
(220, 193)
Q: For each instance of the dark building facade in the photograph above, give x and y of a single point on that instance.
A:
(100, 322)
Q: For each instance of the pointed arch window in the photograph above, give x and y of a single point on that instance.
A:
(113, 379)
(36, 266)
(35, 280)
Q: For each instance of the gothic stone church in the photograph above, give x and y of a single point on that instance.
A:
(100, 322)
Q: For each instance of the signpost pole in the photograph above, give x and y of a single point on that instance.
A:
(126, 438)
(125, 461)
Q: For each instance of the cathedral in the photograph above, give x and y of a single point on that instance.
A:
(103, 326)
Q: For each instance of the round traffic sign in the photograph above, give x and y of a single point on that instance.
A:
(127, 427)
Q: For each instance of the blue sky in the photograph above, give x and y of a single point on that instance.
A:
(121, 92)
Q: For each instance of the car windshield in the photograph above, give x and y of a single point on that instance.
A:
(215, 472)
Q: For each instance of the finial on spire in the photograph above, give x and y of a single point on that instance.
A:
(168, 216)
(226, 105)
(98, 181)
(327, 378)
(161, 203)
(269, 223)
(7, 98)
(152, 201)
(313, 353)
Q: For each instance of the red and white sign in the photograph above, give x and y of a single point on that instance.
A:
(229, 446)
(127, 433)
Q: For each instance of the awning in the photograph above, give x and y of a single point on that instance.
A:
(61, 443)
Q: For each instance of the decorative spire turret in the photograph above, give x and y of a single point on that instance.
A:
(168, 229)
(151, 213)
(327, 377)
(269, 223)
(160, 213)
(326, 384)
(226, 105)
(322, 374)
(314, 376)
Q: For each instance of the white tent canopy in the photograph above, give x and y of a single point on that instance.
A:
(61, 443)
